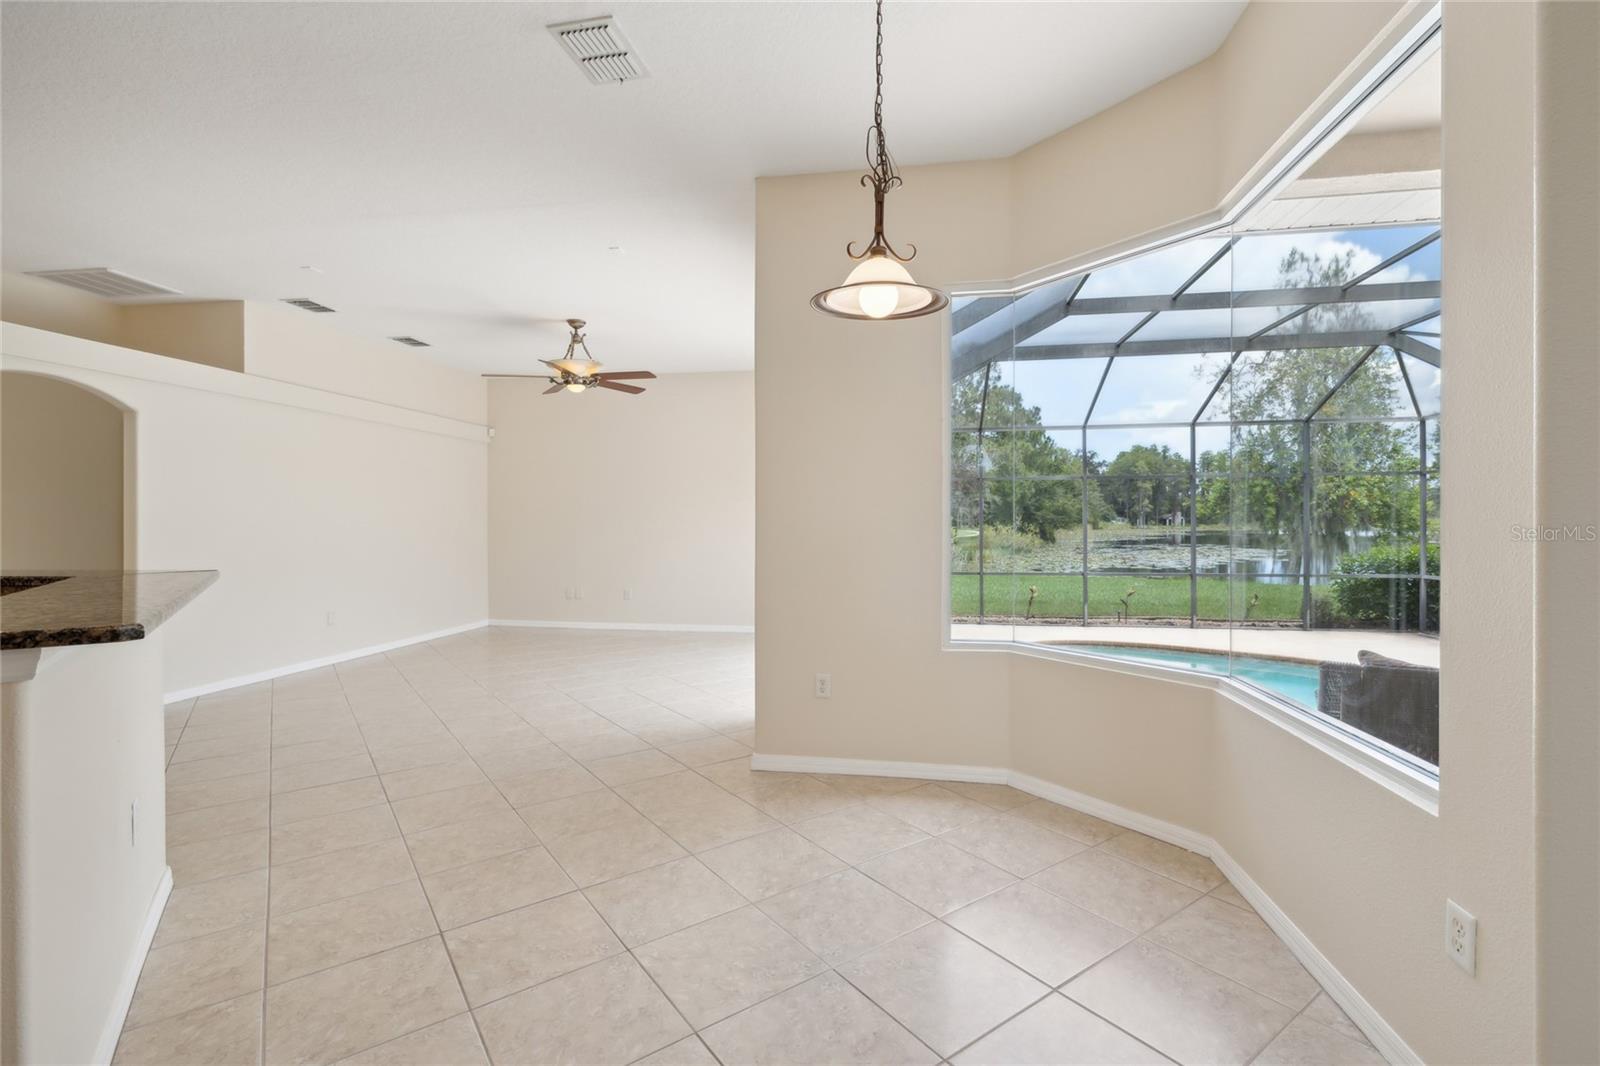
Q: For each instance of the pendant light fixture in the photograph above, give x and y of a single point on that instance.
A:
(880, 287)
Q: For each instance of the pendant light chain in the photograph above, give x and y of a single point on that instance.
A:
(877, 100)
(881, 175)
(879, 287)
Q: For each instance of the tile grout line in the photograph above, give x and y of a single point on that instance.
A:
(580, 890)
(940, 920)
(438, 928)
(858, 802)
(266, 930)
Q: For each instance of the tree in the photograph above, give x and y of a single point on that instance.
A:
(1010, 458)
(1265, 487)
(1147, 482)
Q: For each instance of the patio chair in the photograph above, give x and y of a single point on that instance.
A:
(1395, 701)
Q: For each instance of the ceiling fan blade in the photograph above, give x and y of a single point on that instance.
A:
(619, 388)
(541, 377)
(625, 374)
(557, 387)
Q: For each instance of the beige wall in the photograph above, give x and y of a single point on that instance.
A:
(287, 344)
(603, 492)
(1176, 151)
(1362, 871)
(61, 469)
(849, 488)
(335, 475)
(1567, 574)
(308, 502)
(208, 331)
(50, 305)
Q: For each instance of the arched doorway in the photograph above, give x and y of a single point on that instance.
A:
(65, 476)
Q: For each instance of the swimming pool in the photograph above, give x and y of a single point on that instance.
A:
(1295, 682)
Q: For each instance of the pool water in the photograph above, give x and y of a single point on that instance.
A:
(1295, 682)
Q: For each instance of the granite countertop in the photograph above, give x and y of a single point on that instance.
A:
(43, 609)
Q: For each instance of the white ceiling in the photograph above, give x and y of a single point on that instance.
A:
(452, 175)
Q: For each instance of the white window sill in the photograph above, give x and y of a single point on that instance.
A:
(1410, 784)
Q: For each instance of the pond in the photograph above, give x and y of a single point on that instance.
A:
(1163, 551)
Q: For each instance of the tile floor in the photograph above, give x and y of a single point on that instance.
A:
(542, 846)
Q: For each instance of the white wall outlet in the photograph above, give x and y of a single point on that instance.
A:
(627, 594)
(577, 592)
(333, 618)
(568, 592)
(824, 688)
(1460, 936)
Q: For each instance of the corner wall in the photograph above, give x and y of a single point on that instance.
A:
(652, 495)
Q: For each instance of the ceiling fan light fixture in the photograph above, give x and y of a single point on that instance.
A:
(573, 374)
(582, 368)
(879, 288)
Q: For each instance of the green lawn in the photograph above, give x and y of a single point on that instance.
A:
(1061, 596)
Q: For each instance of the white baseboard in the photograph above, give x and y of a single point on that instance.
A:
(933, 771)
(112, 1032)
(1387, 1042)
(656, 627)
(1172, 833)
(312, 664)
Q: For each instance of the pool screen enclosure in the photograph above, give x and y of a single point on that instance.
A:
(1236, 430)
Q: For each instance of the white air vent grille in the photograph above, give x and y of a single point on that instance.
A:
(305, 303)
(412, 342)
(599, 49)
(104, 282)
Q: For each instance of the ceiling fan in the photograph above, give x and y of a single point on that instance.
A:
(576, 375)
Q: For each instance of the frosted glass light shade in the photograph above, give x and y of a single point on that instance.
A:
(880, 288)
(582, 368)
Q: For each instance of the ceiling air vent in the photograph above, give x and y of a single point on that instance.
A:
(599, 49)
(104, 282)
(305, 303)
(412, 342)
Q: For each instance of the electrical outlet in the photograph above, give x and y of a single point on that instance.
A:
(627, 594)
(824, 686)
(332, 618)
(577, 592)
(1460, 936)
(568, 592)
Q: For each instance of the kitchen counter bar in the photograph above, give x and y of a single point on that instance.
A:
(55, 609)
